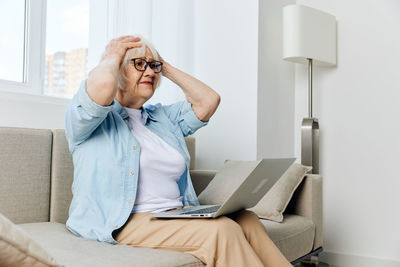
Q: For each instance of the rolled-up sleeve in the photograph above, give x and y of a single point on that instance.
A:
(183, 114)
(83, 116)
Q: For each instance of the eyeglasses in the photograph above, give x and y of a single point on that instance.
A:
(141, 64)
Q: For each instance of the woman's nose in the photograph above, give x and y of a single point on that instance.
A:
(149, 71)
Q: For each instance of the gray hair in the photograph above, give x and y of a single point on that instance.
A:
(139, 51)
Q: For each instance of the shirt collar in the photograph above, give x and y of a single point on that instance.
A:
(124, 114)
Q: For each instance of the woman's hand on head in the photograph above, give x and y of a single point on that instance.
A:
(116, 48)
(102, 81)
(165, 64)
(160, 58)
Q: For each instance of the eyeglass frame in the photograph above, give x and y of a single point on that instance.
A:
(147, 64)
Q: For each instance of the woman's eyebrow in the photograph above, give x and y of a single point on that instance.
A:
(148, 59)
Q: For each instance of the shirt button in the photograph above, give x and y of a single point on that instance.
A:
(133, 147)
(129, 202)
(131, 172)
(115, 226)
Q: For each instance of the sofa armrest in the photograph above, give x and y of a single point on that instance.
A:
(201, 178)
(307, 202)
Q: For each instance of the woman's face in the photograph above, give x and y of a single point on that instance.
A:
(140, 85)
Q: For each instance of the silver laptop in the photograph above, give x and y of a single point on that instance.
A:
(252, 180)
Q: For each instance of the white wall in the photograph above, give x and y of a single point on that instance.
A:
(275, 126)
(32, 111)
(357, 104)
(226, 48)
(173, 36)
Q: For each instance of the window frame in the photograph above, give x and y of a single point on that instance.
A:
(34, 51)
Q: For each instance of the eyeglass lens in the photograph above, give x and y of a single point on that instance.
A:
(141, 64)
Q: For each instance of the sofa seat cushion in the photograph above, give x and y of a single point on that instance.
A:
(294, 236)
(72, 251)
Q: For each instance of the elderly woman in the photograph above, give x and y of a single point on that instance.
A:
(131, 160)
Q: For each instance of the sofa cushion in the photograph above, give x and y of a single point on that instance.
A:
(201, 178)
(18, 249)
(294, 236)
(25, 159)
(274, 203)
(72, 251)
(191, 146)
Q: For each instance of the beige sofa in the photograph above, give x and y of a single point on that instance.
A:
(36, 176)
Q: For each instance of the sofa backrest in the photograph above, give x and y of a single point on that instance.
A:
(25, 162)
(62, 175)
(36, 174)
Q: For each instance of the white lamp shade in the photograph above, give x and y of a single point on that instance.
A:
(309, 33)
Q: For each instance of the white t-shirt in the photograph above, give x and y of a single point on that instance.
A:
(160, 167)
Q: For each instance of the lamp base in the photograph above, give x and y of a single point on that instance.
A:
(310, 143)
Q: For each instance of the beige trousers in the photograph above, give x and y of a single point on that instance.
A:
(237, 240)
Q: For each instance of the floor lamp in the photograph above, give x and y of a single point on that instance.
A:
(309, 37)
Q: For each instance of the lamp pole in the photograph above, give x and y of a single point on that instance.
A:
(310, 130)
(310, 96)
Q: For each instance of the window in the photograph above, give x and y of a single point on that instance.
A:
(67, 31)
(12, 48)
(21, 38)
(45, 50)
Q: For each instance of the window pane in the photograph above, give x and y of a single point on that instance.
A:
(12, 12)
(67, 32)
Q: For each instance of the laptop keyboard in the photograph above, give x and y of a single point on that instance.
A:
(202, 211)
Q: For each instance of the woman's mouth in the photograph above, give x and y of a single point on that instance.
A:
(149, 83)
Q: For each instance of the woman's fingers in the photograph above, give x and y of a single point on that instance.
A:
(132, 45)
(121, 37)
(117, 48)
(131, 39)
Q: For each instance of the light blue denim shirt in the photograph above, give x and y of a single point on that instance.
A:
(106, 160)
